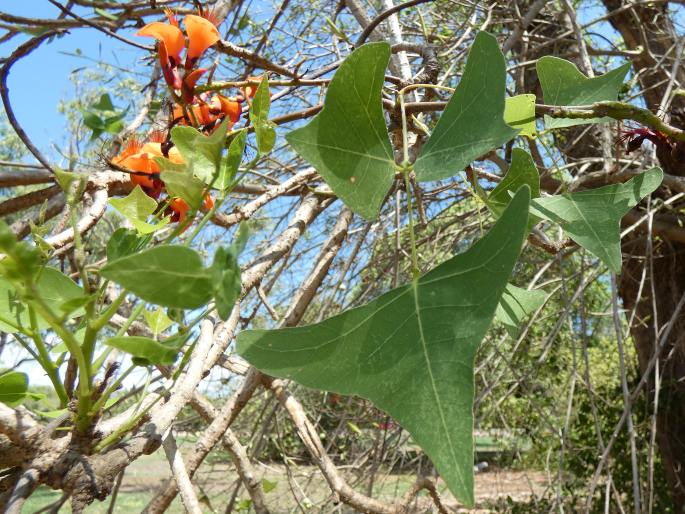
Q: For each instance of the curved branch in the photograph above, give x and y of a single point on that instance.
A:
(383, 16)
(88, 221)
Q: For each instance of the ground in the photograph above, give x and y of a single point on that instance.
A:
(217, 483)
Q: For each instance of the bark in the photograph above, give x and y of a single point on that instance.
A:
(650, 27)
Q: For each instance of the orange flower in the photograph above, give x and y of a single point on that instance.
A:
(171, 43)
(188, 87)
(250, 90)
(208, 202)
(207, 111)
(230, 108)
(140, 159)
(201, 35)
(179, 209)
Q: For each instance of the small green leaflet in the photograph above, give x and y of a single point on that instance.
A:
(201, 154)
(473, 122)
(147, 351)
(411, 351)
(102, 117)
(13, 388)
(183, 185)
(123, 242)
(592, 218)
(157, 320)
(231, 164)
(265, 130)
(515, 305)
(136, 208)
(347, 142)
(563, 84)
(268, 485)
(519, 113)
(167, 275)
(226, 273)
(522, 171)
(55, 288)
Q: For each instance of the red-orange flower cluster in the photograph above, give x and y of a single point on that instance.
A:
(139, 159)
(202, 34)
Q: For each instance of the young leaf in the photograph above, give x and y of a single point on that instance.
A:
(226, 273)
(268, 485)
(231, 163)
(265, 131)
(592, 218)
(171, 276)
(412, 350)
(347, 142)
(54, 288)
(122, 242)
(13, 388)
(522, 171)
(563, 84)
(515, 305)
(202, 154)
(184, 185)
(157, 320)
(473, 122)
(519, 113)
(136, 208)
(151, 351)
(104, 103)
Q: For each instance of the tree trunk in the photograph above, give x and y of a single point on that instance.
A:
(650, 27)
(669, 285)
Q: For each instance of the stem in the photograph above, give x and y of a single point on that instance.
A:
(43, 358)
(100, 403)
(410, 212)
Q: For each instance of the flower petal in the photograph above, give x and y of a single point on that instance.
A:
(230, 108)
(170, 35)
(201, 35)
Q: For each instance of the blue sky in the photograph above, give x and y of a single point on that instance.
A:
(40, 80)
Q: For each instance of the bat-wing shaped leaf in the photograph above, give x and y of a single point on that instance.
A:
(473, 121)
(563, 84)
(347, 142)
(515, 305)
(411, 351)
(592, 218)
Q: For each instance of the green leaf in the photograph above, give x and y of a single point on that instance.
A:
(202, 154)
(167, 275)
(93, 122)
(54, 288)
(149, 350)
(473, 122)
(184, 185)
(412, 350)
(231, 163)
(592, 218)
(519, 113)
(226, 273)
(136, 208)
(13, 388)
(347, 142)
(522, 171)
(563, 84)
(123, 242)
(104, 103)
(515, 305)
(265, 131)
(66, 180)
(268, 485)
(157, 320)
